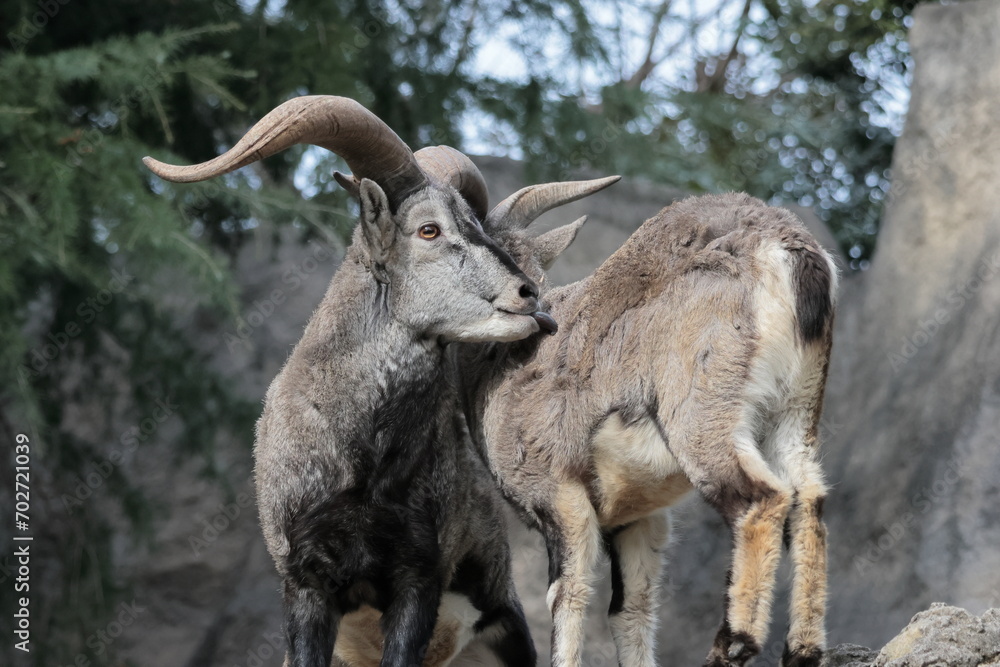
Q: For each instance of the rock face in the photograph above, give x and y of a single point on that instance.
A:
(912, 443)
(942, 635)
(945, 635)
(911, 438)
(849, 655)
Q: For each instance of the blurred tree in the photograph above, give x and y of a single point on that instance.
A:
(790, 100)
(793, 100)
(90, 252)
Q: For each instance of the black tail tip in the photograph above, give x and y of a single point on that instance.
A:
(813, 298)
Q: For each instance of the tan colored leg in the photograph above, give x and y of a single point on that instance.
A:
(637, 563)
(794, 447)
(756, 554)
(806, 633)
(577, 538)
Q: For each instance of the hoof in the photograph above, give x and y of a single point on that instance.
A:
(741, 648)
(802, 656)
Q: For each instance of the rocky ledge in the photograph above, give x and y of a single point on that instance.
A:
(942, 636)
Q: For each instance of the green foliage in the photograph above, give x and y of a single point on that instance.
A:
(802, 105)
(89, 248)
(828, 123)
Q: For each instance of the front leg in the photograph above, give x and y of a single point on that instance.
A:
(408, 622)
(636, 552)
(573, 544)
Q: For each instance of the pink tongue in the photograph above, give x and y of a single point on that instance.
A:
(545, 322)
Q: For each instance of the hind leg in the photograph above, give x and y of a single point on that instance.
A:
(636, 565)
(408, 621)
(733, 477)
(793, 445)
(806, 633)
(310, 625)
(756, 524)
(503, 631)
(756, 521)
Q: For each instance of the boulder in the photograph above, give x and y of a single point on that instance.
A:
(942, 636)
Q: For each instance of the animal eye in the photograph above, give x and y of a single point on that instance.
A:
(429, 232)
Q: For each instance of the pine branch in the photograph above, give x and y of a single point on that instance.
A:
(465, 47)
(649, 63)
(713, 83)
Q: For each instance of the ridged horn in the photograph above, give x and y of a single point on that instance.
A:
(338, 124)
(522, 208)
(444, 164)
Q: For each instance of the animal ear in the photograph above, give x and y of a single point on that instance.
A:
(550, 245)
(349, 183)
(377, 226)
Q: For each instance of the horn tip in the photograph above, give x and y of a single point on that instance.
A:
(161, 169)
(349, 182)
(151, 164)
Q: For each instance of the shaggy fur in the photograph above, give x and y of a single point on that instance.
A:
(375, 510)
(694, 357)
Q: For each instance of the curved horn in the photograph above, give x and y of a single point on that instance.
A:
(338, 124)
(446, 165)
(522, 208)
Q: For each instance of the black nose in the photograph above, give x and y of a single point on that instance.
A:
(528, 291)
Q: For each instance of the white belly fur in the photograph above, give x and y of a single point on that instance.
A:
(636, 473)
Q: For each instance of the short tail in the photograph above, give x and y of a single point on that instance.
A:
(814, 280)
(308, 627)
